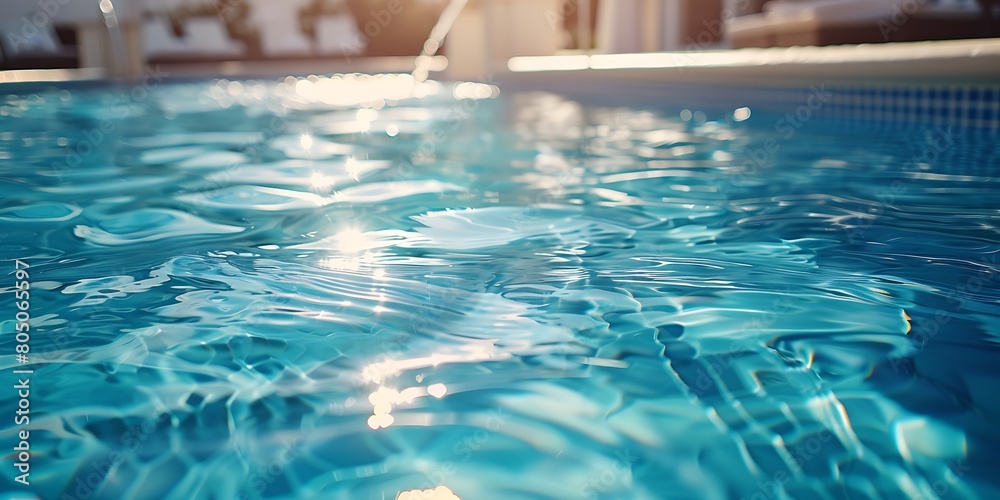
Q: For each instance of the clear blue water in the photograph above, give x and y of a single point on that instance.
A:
(336, 288)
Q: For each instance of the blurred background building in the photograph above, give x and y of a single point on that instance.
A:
(260, 34)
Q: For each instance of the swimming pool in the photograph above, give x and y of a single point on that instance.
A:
(354, 287)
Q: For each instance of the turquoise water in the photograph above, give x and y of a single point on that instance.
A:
(353, 288)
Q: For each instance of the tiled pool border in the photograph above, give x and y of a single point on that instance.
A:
(974, 105)
(971, 105)
(967, 106)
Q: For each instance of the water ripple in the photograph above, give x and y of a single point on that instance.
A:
(359, 286)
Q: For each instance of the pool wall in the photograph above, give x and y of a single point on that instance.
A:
(944, 83)
(953, 83)
(947, 105)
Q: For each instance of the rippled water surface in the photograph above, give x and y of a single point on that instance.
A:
(344, 288)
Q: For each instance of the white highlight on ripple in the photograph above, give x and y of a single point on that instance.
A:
(471, 90)
(385, 191)
(351, 241)
(437, 390)
(176, 224)
(40, 212)
(384, 398)
(473, 352)
(257, 198)
(496, 226)
(310, 147)
(438, 493)
(321, 183)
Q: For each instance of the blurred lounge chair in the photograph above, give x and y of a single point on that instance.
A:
(158, 39)
(338, 35)
(40, 49)
(205, 40)
(210, 32)
(631, 26)
(281, 35)
(786, 23)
